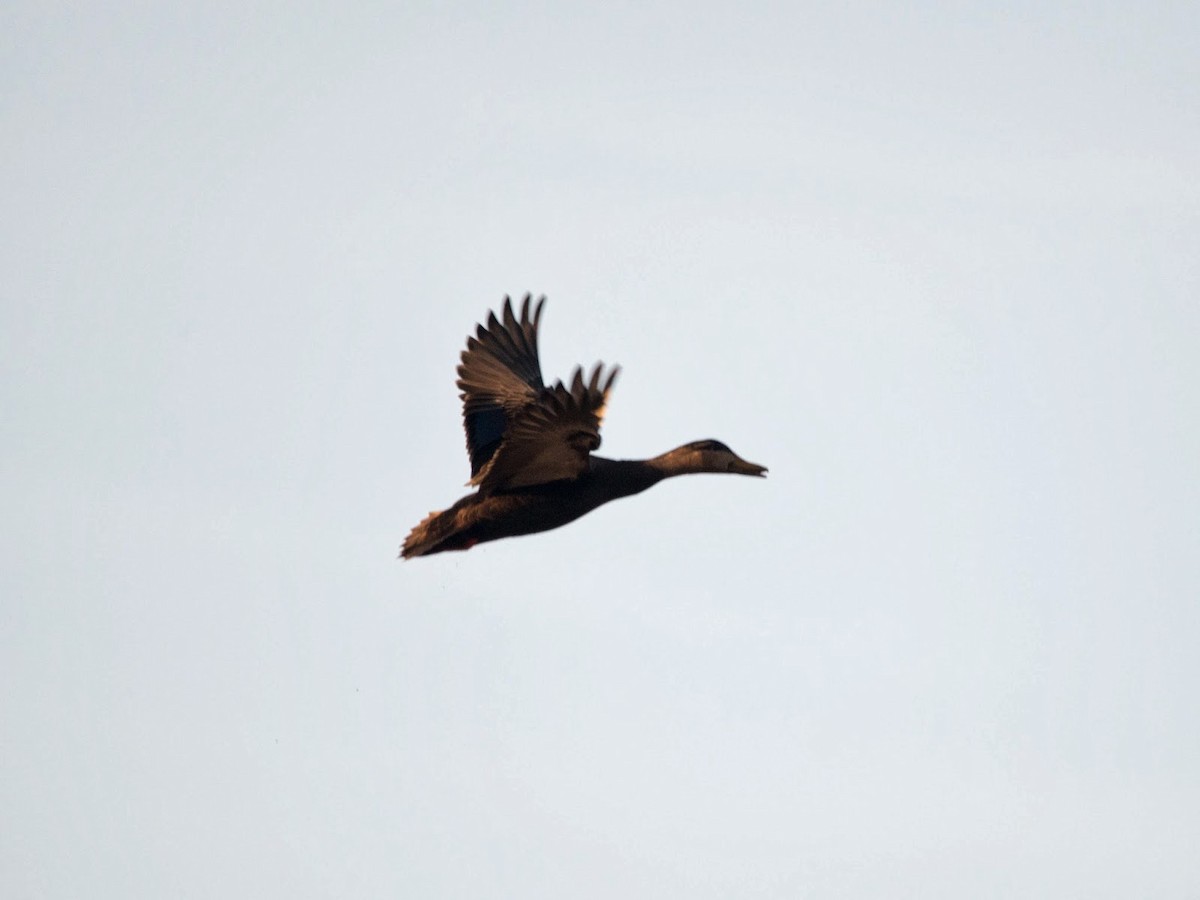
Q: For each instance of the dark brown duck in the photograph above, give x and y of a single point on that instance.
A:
(531, 445)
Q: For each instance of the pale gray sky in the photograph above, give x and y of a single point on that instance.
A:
(938, 270)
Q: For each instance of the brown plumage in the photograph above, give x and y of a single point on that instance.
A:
(531, 445)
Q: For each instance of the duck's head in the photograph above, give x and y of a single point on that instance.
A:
(711, 456)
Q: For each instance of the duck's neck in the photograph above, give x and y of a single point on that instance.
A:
(623, 477)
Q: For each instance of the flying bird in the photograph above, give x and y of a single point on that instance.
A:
(531, 446)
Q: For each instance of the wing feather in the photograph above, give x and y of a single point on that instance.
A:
(499, 375)
(551, 439)
(520, 432)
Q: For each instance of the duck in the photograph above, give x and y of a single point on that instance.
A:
(532, 446)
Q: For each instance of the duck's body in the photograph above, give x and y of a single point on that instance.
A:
(530, 446)
(480, 517)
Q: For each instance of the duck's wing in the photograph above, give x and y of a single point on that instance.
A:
(499, 376)
(551, 439)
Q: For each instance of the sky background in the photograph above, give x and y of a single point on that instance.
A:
(938, 269)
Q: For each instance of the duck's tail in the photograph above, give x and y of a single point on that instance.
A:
(432, 530)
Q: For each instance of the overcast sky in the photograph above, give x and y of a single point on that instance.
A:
(939, 270)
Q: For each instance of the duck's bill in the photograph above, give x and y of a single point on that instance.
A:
(741, 467)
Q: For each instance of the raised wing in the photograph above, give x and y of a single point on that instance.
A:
(499, 376)
(551, 438)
